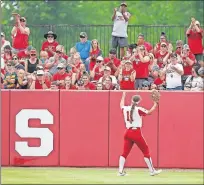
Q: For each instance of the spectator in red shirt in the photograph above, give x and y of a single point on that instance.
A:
(68, 84)
(127, 76)
(112, 61)
(179, 47)
(87, 84)
(98, 71)
(141, 41)
(61, 48)
(162, 39)
(195, 35)
(94, 53)
(50, 44)
(25, 54)
(39, 81)
(60, 75)
(162, 55)
(188, 60)
(20, 34)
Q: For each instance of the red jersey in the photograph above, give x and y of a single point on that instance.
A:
(93, 62)
(90, 86)
(160, 58)
(158, 81)
(126, 83)
(141, 68)
(46, 45)
(39, 86)
(186, 68)
(98, 74)
(77, 66)
(58, 76)
(72, 87)
(116, 62)
(148, 46)
(20, 40)
(195, 41)
(22, 54)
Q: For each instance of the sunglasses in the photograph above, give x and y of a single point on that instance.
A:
(50, 36)
(59, 52)
(15, 58)
(39, 75)
(22, 20)
(59, 68)
(98, 61)
(163, 46)
(178, 47)
(162, 38)
(9, 65)
(82, 37)
(33, 55)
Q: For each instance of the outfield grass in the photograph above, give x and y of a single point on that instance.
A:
(97, 176)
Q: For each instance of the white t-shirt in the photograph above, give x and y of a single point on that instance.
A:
(196, 83)
(114, 80)
(137, 116)
(2, 63)
(5, 44)
(173, 79)
(120, 25)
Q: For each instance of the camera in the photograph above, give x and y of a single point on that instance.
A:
(80, 83)
(132, 46)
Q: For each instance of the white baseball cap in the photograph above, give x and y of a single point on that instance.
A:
(40, 72)
(99, 58)
(107, 68)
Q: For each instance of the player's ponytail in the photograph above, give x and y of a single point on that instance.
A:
(135, 101)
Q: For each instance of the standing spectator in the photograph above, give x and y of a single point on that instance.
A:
(94, 53)
(188, 60)
(141, 61)
(195, 35)
(50, 44)
(98, 69)
(119, 34)
(173, 71)
(141, 41)
(60, 75)
(83, 47)
(4, 42)
(162, 40)
(20, 34)
(162, 55)
(112, 61)
(32, 62)
(39, 81)
(127, 76)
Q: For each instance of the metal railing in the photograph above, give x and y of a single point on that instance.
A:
(68, 35)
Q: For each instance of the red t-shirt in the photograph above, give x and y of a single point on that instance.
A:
(158, 81)
(186, 68)
(141, 69)
(148, 46)
(39, 86)
(58, 76)
(159, 58)
(65, 56)
(22, 54)
(116, 62)
(72, 87)
(77, 66)
(90, 86)
(46, 44)
(20, 41)
(126, 83)
(93, 62)
(195, 41)
(98, 74)
(159, 46)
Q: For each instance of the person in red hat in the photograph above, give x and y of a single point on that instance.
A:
(50, 44)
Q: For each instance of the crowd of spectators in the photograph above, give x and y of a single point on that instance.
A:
(140, 66)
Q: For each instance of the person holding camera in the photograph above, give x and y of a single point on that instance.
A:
(119, 33)
(195, 35)
(98, 71)
(39, 81)
(85, 84)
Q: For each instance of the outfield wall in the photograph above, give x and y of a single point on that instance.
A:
(85, 129)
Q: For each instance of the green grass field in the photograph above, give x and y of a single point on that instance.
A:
(97, 176)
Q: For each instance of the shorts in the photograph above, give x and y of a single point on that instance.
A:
(119, 41)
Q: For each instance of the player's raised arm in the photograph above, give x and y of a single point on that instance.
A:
(122, 101)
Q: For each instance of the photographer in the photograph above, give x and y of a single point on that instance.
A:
(130, 51)
(39, 81)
